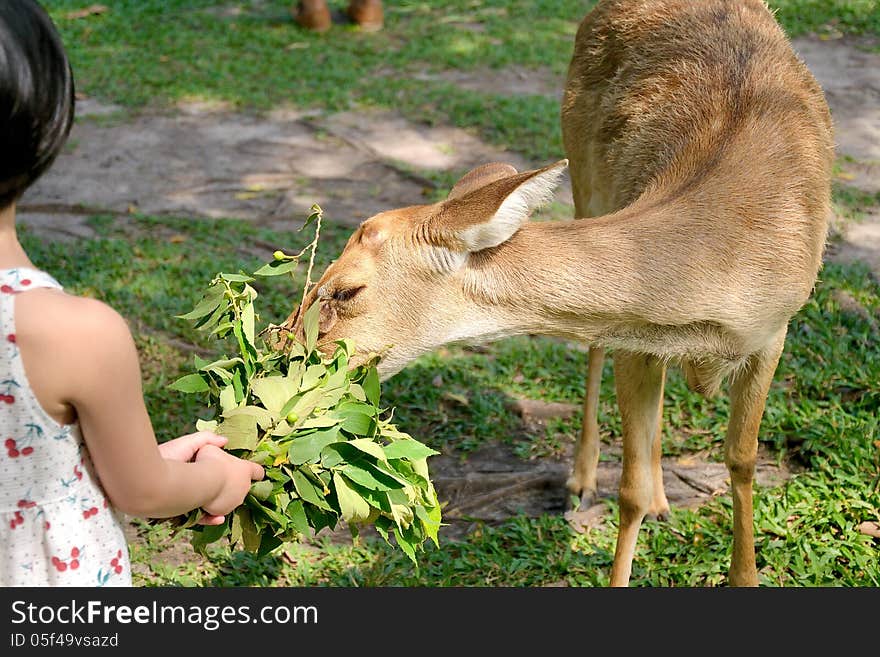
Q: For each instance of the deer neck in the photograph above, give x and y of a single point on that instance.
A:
(572, 279)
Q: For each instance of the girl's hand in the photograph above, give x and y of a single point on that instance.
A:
(237, 477)
(185, 448)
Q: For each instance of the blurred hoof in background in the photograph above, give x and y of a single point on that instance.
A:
(312, 15)
(366, 13)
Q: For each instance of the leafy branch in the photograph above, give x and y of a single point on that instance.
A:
(314, 422)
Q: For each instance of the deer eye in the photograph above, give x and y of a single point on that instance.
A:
(346, 294)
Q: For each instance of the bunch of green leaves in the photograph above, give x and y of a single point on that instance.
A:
(315, 423)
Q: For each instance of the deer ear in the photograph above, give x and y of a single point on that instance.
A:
(480, 177)
(485, 216)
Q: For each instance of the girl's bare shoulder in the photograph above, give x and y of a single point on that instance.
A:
(53, 317)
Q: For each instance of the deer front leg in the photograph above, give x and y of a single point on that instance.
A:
(748, 396)
(582, 481)
(638, 379)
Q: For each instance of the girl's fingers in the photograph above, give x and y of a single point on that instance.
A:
(208, 519)
(202, 438)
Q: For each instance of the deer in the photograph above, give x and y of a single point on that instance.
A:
(699, 148)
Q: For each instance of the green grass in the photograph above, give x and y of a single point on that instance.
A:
(152, 54)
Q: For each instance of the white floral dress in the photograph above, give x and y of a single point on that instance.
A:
(58, 528)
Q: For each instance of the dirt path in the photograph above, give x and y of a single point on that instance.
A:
(205, 162)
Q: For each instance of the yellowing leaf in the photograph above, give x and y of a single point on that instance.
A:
(352, 505)
(241, 430)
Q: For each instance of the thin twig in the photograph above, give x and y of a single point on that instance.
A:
(319, 212)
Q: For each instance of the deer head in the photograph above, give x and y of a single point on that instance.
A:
(409, 280)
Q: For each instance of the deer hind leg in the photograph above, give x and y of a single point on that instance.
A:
(639, 382)
(659, 508)
(582, 481)
(748, 396)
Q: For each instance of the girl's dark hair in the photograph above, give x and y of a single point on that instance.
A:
(36, 96)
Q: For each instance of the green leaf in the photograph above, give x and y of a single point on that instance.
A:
(307, 449)
(308, 491)
(357, 392)
(404, 544)
(298, 518)
(223, 364)
(207, 534)
(319, 422)
(277, 267)
(206, 425)
(235, 533)
(263, 417)
(408, 449)
(212, 298)
(368, 447)
(371, 386)
(430, 522)
(249, 534)
(247, 323)
(227, 398)
(190, 383)
(365, 478)
(274, 392)
(352, 505)
(312, 377)
(262, 489)
(310, 325)
(236, 278)
(268, 544)
(241, 430)
(356, 423)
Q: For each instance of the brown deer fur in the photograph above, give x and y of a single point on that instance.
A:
(701, 148)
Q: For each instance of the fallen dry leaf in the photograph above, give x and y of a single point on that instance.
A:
(543, 410)
(870, 528)
(91, 10)
(582, 521)
(177, 239)
(456, 398)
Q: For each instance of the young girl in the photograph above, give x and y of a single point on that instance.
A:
(77, 443)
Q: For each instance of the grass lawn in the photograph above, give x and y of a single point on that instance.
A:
(822, 412)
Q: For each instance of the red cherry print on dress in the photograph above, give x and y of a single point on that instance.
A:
(55, 561)
(74, 564)
(61, 566)
(12, 524)
(47, 525)
(114, 562)
(27, 451)
(74, 552)
(11, 338)
(6, 289)
(118, 569)
(25, 281)
(10, 443)
(9, 399)
(77, 472)
(13, 453)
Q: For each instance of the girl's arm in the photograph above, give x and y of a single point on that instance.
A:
(80, 358)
